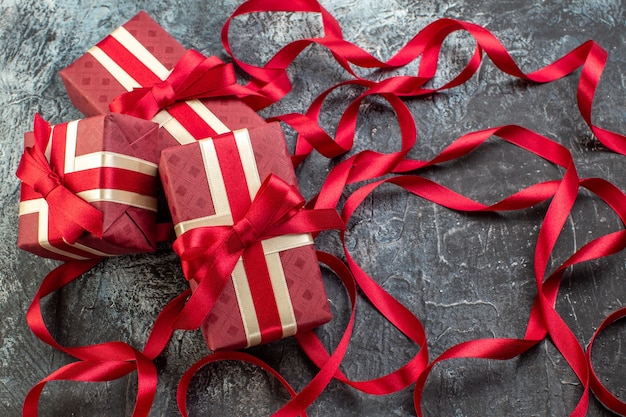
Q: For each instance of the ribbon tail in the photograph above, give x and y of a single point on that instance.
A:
(138, 102)
(313, 221)
(73, 215)
(42, 130)
(207, 80)
(209, 288)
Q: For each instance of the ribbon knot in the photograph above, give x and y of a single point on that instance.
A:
(194, 76)
(245, 233)
(164, 94)
(70, 215)
(47, 183)
(209, 254)
(274, 205)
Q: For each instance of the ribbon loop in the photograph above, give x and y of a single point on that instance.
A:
(70, 215)
(194, 76)
(274, 204)
(209, 254)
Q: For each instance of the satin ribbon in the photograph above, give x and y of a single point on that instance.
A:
(194, 76)
(300, 401)
(209, 254)
(183, 385)
(70, 215)
(608, 399)
(271, 83)
(103, 361)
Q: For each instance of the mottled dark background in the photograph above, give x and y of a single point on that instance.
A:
(465, 276)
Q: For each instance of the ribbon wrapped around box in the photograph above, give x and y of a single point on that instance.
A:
(89, 188)
(141, 70)
(275, 288)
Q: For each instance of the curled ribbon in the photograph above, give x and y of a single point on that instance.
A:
(209, 254)
(194, 76)
(70, 215)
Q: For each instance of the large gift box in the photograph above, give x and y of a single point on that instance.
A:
(142, 54)
(274, 290)
(89, 188)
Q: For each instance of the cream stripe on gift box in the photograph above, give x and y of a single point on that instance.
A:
(138, 50)
(111, 160)
(163, 118)
(282, 243)
(100, 159)
(246, 154)
(245, 302)
(100, 194)
(114, 69)
(281, 292)
(114, 160)
(215, 179)
(40, 206)
(71, 137)
(87, 249)
(271, 247)
(119, 196)
(208, 221)
(173, 126)
(208, 117)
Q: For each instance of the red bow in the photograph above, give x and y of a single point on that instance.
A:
(194, 76)
(70, 215)
(275, 211)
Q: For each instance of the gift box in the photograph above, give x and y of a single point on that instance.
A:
(142, 54)
(272, 293)
(89, 188)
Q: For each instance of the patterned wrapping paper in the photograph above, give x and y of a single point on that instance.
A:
(140, 54)
(110, 161)
(198, 196)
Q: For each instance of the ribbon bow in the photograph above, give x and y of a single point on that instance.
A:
(70, 215)
(209, 254)
(194, 76)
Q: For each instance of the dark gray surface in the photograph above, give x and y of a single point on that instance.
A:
(465, 276)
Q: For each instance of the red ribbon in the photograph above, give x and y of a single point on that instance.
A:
(194, 76)
(223, 246)
(608, 399)
(104, 361)
(209, 254)
(70, 215)
(272, 80)
(298, 403)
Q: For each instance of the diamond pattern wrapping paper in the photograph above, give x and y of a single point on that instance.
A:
(140, 54)
(109, 161)
(198, 196)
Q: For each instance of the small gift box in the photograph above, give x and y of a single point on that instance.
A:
(89, 188)
(142, 56)
(219, 190)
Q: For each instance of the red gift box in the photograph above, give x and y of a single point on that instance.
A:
(204, 182)
(142, 54)
(110, 162)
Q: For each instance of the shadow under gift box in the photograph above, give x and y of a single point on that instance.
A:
(110, 161)
(141, 54)
(203, 183)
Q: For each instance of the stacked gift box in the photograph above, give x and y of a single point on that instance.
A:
(212, 153)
